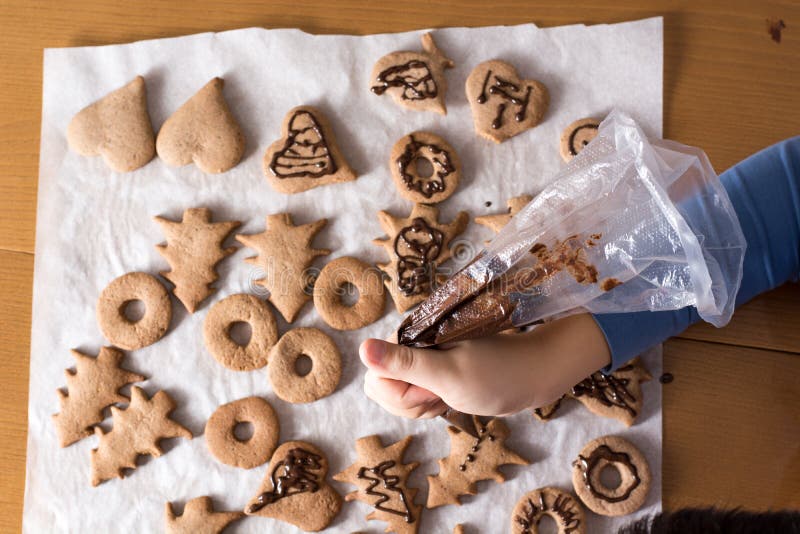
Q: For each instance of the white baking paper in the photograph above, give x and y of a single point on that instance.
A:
(94, 225)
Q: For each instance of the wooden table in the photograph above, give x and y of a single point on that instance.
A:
(731, 417)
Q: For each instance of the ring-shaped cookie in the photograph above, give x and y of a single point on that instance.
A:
(444, 162)
(326, 365)
(240, 308)
(634, 474)
(562, 507)
(229, 449)
(330, 286)
(121, 331)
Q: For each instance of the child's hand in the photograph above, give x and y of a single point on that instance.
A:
(498, 375)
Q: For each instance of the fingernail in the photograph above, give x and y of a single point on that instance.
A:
(375, 351)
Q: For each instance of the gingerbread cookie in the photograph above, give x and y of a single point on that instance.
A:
(470, 461)
(576, 136)
(634, 473)
(128, 288)
(548, 411)
(331, 285)
(116, 127)
(217, 332)
(414, 79)
(193, 249)
(295, 489)
(458, 529)
(284, 255)
(504, 105)
(559, 505)
(326, 365)
(382, 481)
(136, 430)
(416, 246)
(199, 517)
(248, 453)
(416, 186)
(497, 222)
(202, 131)
(307, 155)
(91, 387)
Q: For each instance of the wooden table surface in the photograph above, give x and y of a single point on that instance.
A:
(731, 416)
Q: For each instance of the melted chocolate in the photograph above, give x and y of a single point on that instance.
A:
(609, 283)
(377, 475)
(306, 152)
(774, 29)
(482, 435)
(604, 452)
(292, 475)
(439, 159)
(666, 378)
(414, 77)
(504, 89)
(561, 508)
(610, 390)
(417, 246)
(573, 150)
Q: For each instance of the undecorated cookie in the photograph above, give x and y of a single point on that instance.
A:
(498, 221)
(414, 79)
(444, 165)
(229, 449)
(295, 489)
(202, 131)
(116, 127)
(326, 365)
(242, 308)
(307, 155)
(576, 136)
(333, 282)
(559, 505)
(504, 105)
(199, 517)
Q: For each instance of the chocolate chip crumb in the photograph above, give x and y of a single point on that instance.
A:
(666, 378)
(774, 29)
(488, 203)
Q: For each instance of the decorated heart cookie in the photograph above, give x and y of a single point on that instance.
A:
(503, 105)
(414, 79)
(204, 131)
(116, 127)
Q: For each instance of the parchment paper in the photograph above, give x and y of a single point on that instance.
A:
(94, 225)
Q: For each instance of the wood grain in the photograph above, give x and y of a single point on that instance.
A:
(728, 88)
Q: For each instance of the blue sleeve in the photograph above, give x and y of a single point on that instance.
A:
(765, 192)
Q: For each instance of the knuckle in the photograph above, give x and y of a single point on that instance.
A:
(404, 358)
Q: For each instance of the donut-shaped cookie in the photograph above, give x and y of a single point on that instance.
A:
(559, 505)
(121, 331)
(633, 471)
(576, 136)
(326, 365)
(229, 449)
(444, 164)
(217, 332)
(330, 286)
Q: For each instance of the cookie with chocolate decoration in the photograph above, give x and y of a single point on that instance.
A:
(498, 221)
(116, 127)
(199, 516)
(307, 155)
(444, 168)
(382, 481)
(136, 430)
(92, 387)
(634, 474)
(415, 80)
(548, 411)
(284, 255)
(470, 461)
(295, 489)
(576, 136)
(416, 245)
(559, 505)
(202, 131)
(503, 104)
(193, 249)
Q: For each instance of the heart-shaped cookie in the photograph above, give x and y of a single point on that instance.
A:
(295, 489)
(116, 127)
(502, 104)
(204, 131)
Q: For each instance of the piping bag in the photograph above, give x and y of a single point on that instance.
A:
(629, 224)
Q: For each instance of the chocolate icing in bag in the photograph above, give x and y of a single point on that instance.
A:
(628, 225)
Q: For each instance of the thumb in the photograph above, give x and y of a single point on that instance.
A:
(422, 367)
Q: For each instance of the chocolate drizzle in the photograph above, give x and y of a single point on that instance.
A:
(417, 246)
(377, 475)
(482, 435)
(572, 149)
(608, 389)
(414, 77)
(439, 159)
(504, 89)
(561, 508)
(604, 452)
(545, 413)
(306, 152)
(292, 475)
